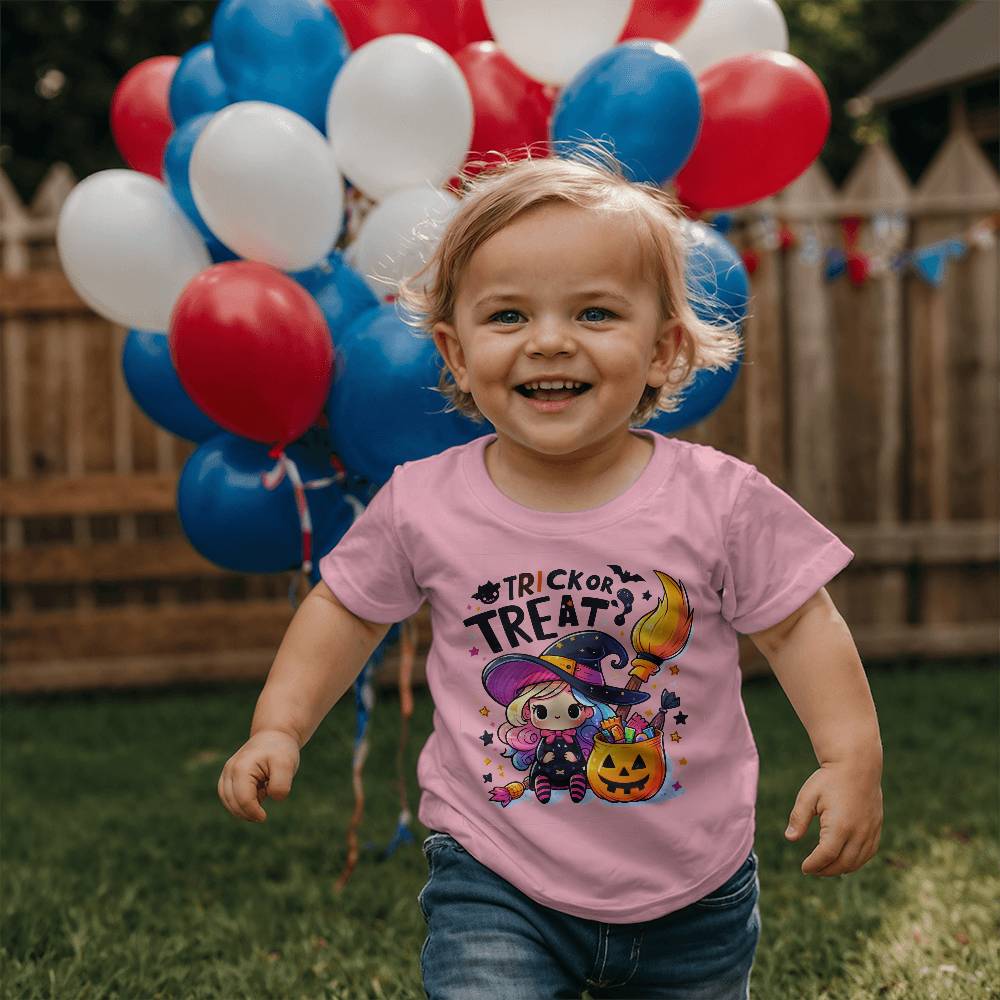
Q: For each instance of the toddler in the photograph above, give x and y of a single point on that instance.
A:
(590, 781)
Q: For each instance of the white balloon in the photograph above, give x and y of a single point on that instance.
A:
(127, 248)
(554, 40)
(266, 183)
(399, 115)
(725, 28)
(398, 237)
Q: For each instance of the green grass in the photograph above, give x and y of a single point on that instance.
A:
(124, 877)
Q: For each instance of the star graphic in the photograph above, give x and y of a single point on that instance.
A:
(677, 786)
(683, 760)
(646, 595)
(487, 761)
(487, 737)
(680, 718)
(487, 778)
(674, 669)
(484, 711)
(474, 651)
(675, 736)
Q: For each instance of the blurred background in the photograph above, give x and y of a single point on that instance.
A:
(132, 656)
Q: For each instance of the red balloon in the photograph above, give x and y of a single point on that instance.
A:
(511, 109)
(472, 23)
(765, 119)
(140, 114)
(437, 21)
(252, 349)
(663, 19)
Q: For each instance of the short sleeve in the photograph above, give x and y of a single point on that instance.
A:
(368, 570)
(777, 556)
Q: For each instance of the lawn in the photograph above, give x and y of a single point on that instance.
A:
(124, 877)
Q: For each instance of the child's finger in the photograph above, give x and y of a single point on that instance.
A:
(826, 852)
(802, 812)
(244, 793)
(279, 781)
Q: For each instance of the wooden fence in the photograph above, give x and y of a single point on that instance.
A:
(875, 406)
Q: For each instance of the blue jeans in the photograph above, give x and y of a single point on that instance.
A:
(486, 940)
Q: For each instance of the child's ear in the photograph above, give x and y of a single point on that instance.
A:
(668, 343)
(450, 348)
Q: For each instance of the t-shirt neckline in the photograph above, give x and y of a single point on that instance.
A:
(555, 522)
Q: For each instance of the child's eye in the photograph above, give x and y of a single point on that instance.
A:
(505, 312)
(598, 309)
(541, 712)
(574, 711)
(514, 312)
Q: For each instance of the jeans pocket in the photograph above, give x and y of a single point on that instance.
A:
(433, 840)
(739, 887)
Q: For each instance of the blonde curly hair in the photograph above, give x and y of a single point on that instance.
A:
(591, 177)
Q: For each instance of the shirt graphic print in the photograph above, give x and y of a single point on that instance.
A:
(579, 719)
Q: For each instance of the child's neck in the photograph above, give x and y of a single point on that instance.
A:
(578, 480)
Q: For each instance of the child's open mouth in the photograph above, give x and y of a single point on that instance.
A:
(552, 400)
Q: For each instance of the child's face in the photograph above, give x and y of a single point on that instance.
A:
(561, 711)
(550, 263)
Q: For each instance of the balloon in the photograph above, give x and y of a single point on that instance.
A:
(552, 41)
(717, 281)
(398, 237)
(641, 95)
(395, 129)
(438, 21)
(140, 113)
(472, 26)
(253, 350)
(266, 183)
(766, 117)
(661, 19)
(152, 380)
(511, 109)
(287, 53)
(127, 248)
(383, 407)
(339, 291)
(176, 162)
(234, 521)
(726, 28)
(197, 87)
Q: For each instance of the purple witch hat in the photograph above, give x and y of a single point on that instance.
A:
(575, 658)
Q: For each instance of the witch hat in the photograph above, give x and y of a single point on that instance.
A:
(575, 658)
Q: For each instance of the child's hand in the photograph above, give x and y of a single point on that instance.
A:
(263, 767)
(848, 799)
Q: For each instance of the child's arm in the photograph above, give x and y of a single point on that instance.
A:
(812, 653)
(321, 654)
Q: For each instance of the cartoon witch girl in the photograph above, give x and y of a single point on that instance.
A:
(555, 705)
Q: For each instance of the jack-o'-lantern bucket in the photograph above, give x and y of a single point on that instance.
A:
(627, 772)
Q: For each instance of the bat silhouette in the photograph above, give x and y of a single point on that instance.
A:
(623, 574)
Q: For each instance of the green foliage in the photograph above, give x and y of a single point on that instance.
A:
(123, 876)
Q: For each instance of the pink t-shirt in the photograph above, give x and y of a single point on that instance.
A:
(538, 619)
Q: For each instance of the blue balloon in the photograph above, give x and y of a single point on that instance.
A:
(643, 97)
(341, 292)
(155, 386)
(287, 53)
(176, 163)
(383, 406)
(197, 87)
(717, 280)
(705, 393)
(234, 521)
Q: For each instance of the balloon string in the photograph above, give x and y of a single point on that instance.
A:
(286, 466)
